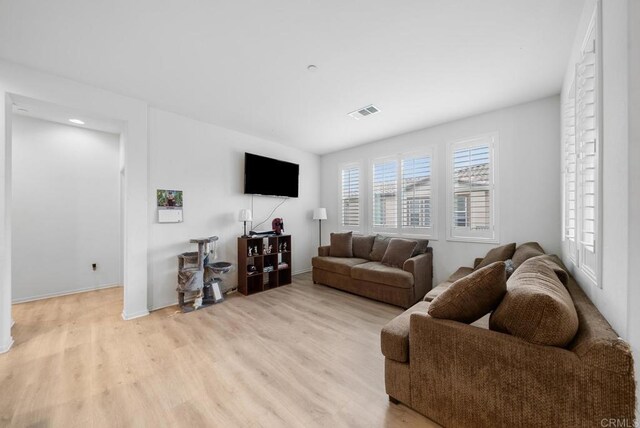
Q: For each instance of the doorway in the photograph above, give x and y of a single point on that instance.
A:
(66, 210)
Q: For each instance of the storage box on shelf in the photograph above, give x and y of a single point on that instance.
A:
(271, 258)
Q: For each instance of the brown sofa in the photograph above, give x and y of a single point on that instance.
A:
(364, 277)
(461, 374)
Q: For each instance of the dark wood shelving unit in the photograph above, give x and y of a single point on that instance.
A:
(272, 269)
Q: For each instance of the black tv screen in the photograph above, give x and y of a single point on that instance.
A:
(267, 176)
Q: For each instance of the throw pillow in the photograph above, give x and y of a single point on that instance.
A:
(362, 246)
(380, 244)
(498, 254)
(526, 251)
(421, 248)
(537, 307)
(473, 296)
(341, 245)
(398, 251)
(508, 267)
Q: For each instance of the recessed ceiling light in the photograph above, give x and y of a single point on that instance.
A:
(312, 67)
(76, 121)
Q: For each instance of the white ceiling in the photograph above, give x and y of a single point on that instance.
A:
(37, 109)
(243, 64)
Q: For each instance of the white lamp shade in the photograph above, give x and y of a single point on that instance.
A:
(245, 215)
(320, 214)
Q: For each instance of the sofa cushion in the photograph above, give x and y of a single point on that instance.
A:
(472, 296)
(341, 265)
(537, 307)
(382, 274)
(498, 254)
(362, 246)
(394, 337)
(341, 245)
(421, 248)
(437, 290)
(380, 244)
(398, 251)
(526, 251)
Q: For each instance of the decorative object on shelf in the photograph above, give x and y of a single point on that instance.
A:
(250, 253)
(169, 204)
(284, 246)
(270, 249)
(245, 216)
(277, 225)
(197, 275)
(320, 214)
(264, 249)
(251, 269)
(255, 250)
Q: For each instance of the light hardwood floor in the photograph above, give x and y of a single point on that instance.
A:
(302, 355)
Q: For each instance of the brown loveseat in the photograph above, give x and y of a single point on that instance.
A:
(461, 374)
(366, 276)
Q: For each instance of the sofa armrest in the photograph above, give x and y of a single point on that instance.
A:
(324, 251)
(421, 267)
(477, 261)
(485, 375)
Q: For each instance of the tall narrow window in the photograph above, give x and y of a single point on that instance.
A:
(416, 192)
(350, 212)
(385, 194)
(587, 142)
(472, 196)
(570, 173)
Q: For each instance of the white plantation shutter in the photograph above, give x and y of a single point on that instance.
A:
(471, 189)
(587, 143)
(416, 192)
(570, 172)
(350, 214)
(385, 194)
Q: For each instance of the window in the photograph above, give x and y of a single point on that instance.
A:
(471, 189)
(385, 194)
(581, 161)
(350, 199)
(570, 173)
(401, 195)
(416, 192)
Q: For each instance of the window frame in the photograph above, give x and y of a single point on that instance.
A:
(459, 235)
(343, 167)
(430, 232)
(587, 262)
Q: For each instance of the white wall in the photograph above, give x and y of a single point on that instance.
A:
(207, 163)
(529, 172)
(633, 318)
(66, 209)
(15, 79)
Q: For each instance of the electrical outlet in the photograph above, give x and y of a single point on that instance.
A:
(94, 266)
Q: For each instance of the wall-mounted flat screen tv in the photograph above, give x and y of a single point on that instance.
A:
(267, 176)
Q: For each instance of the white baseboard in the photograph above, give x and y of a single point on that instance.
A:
(164, 305)
(298, 272)
(129, 317)
(5, 348)
(63, 293)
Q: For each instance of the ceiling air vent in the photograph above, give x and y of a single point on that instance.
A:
(364, 112)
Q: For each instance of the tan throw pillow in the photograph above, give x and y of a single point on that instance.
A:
(537, 307)
(499, 254)
(362, 246)
(473, 296)
(380, 244)
(341, 245)
(398, 251)
(421, 248)
(526, 251)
